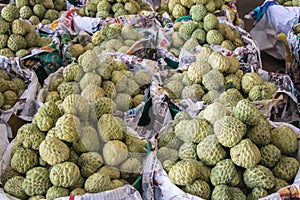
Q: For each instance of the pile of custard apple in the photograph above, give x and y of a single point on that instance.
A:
(11, 89)
(76, 143)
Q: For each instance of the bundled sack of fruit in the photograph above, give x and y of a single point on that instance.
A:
(19, 87)
(73, 157)
(78, 140)
(178, 43)
(216, 155)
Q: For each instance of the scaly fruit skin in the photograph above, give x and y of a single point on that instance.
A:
(109, 128)
(186, 30)
(169, 140)
(68, 128)
(97, 183)
(23, 160)
(89, 163)
(285, 139)
(213, 80)
(10, 13)
(115, 152)
(245, 154)
(261, 133)
(247, 112)
(286, 168)
(184, 172)
(55, 192)
(270, 155)
(210, 151)
(13, 186)
(77, 105)
(165, 153)
(214, 37)
(225, 192)
(53, 151)
(8, 173)
(199, 188)
(36, 181)
(229, 131)
(258, 176)
(257, 193)
(224, 172)
(198, 12)
(64, 174)
(16, 42)
(219, 62)
(249, 80)
(188, 151)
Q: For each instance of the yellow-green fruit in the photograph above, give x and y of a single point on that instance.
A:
(10, 13)
(76, 50)
(4, 26)
(13, 186)
(285, 139)
(224, 172)
(114, 152)
(229, 131)
(88, 140)
(51, 15)
(210, 151)
(10, 97)
(3, 40)
(55, 192)
(16, 42)
(77, 192)
(247, 112)
(89, 163)
(7, 53)
(245, 154)
(270, 155)
(199, 188)
(249, 80)
(227, 192)
(258, 176)
(184, 172)
(286, 168)
(64, 174)
(53, 151)
(261, 133)
(39, 10)
(97, 183)
(77, 105)
(36, 181)
(34, 19)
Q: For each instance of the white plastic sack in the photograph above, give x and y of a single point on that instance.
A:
(277, 19)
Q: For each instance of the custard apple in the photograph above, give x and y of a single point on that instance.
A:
(89, 163)
(245, 154)
(7, 53)
(198, 12)
(188, 150)
(177, 41)
(199, 188)
(249, 80)
(214, 112)
(54, 151)
(77, 192)
(219, 62)
(261, 133)
(182, 115)
(210, 22)
(186, 30)
(10, 13)
(55, 192)
(211, 96)
(231, 97)
(39, 10)
(190, 44)
(131, 168)
(247, 112)
(229, 131)
(4, 26)
(112, 172)
(270, 155)
(8, 173)
(224, 172)
(286, 168)
(184, 172)
(285, 139)
(226, 192)
(30, 136)
(134, 144)
(96, 183)
(92, 92)
(165, 153)
(23, 160)
(68, 128)
(169, 140)
(278, 184)
(67, 88)
(233, 81)
(114, 152)
(88, 140)
(13, 186)
(194, 130)
(258, 176)
(124, 102)
(200, 35)
(64, 174)
(228, 45)
(36, 182)
(257, 193)
(72, 72)
(51, 15)
(89, 61)
(214, 37)
(210, 150)
(109, 128)
(179, 11)
(213, 80)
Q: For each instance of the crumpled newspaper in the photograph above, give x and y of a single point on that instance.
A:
(270, 25)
